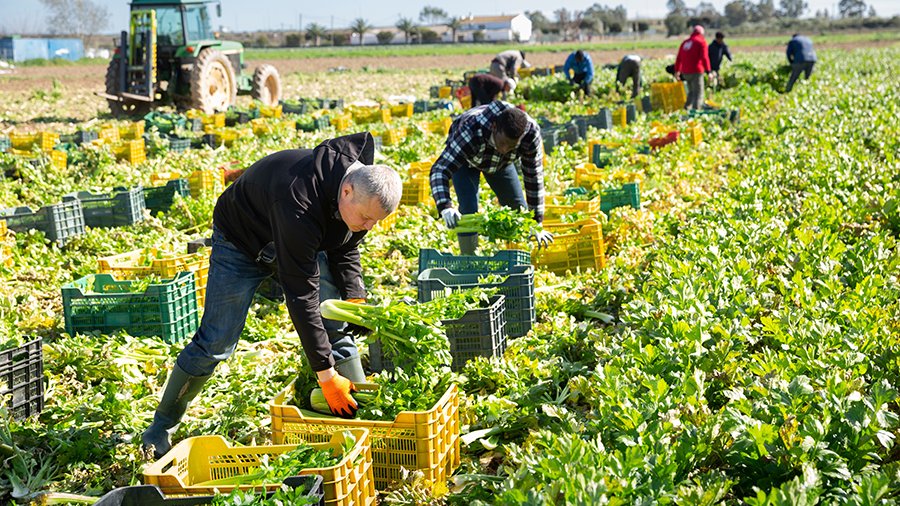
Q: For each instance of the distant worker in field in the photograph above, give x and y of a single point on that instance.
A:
(691, 62)
(802, 57)
(629, 68)
(508, 63)
(579, 70)
(718, 51)
(298, 214)
(485, 88)
(489, 140)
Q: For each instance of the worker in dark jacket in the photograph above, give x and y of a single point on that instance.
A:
(718, 51)
(489, 140)
(802, 57)
(629, 68)
(301, 214)
(485, 88)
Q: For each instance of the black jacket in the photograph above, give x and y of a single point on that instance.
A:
(286, 204)
(718, 51)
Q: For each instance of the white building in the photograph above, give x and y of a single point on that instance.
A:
(509, 28)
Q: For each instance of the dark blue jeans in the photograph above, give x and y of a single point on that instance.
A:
(505, 184)
(232, 281)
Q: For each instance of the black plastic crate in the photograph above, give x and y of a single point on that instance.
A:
(478, 333)
(573, 134)
(59, 222)
(178, 144)
(551, 138)
(22, 377)
(83, 136)
(294, 107)
(151, 495)
(160, 198)
(518, 288)
(646, 105)
(330, 103)
(630, 113)
(121, 207)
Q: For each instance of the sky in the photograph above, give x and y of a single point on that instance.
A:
(240, 15)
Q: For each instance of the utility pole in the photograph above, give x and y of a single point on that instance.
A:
(332, 29)
(302, 40)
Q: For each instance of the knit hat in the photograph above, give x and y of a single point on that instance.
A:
(698, 29)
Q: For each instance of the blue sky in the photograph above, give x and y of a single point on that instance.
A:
(28, 15)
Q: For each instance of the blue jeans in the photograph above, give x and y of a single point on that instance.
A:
(232, 281)
(505, 183)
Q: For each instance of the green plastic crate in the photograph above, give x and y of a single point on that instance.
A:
(478, 333)
(59, 222)
(518, 288)
(500, 261)
(627, 195)
(160, 198)
(99, 302)
(120, 208)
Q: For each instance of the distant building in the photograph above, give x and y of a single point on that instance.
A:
(22, 49)
(508, 28)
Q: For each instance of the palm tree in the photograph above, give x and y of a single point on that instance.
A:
(407, 26)
(316, 32)
(454, 24)
(360, 26)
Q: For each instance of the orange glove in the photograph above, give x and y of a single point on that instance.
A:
(337, 393)
(357, 301)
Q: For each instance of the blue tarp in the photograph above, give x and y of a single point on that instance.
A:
(21, 49)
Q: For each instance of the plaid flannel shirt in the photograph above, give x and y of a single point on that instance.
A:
(468, 144)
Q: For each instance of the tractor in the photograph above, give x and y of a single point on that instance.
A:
(170, 55)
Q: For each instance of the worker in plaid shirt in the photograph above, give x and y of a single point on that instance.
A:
(489, 140)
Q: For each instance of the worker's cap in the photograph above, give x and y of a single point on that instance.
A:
(510, 82)
(699, 29)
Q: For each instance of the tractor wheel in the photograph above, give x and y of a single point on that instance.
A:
(266, 85)
(213, 85)
(120, 108)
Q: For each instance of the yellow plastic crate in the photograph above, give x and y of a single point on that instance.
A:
(427, 441)
(441, 126)
(161, 178)
(393, 136)
(131, 151)
(132, 131)
(59, 159)
(587, 174)
(26, 142)
(695, 132)
(206, 180)
(3, 229)
(108, 135)
(580, 249)
(525, 72)
(669, 97)
(341, 123)
(387, 223)
(444, 91)
(466, 102)
(204, 458)
(402, 110)
(266, 111)
(422, 167)
(266, 126)
(620, 117)
(416, 190)
(5, 248)
(606, 144)
(553, 212)
(150, 261)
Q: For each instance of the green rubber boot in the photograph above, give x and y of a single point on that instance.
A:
(180, 391)
(351, 368)
(468, 244)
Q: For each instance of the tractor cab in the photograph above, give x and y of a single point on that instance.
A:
(171, 55)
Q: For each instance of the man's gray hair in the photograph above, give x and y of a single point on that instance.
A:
(378, 181)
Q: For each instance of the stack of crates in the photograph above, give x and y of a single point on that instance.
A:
(416, 189)
(59, 222)
(99, 302)
(440, 273)
(478, 333)
(22, 379)
(160, 198)
(425, 441)
(108, 134)
(132, 131)
(120, 208)
(142, 263)
(132, 151)
(45, 141)
(575, 247)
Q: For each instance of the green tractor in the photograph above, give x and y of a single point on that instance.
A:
(171, 55)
